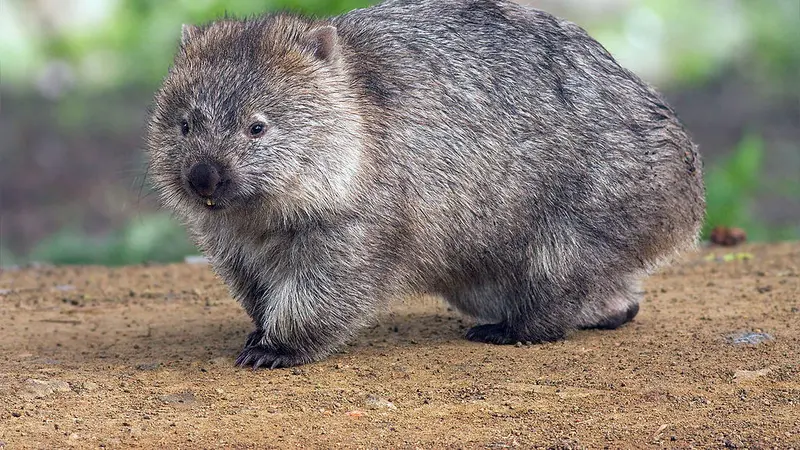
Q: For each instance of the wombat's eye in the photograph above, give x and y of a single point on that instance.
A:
(184, 127)
(257, 129)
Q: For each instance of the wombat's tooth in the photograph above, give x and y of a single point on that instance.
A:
(209, 202)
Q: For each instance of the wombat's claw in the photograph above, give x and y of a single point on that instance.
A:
(262, 356)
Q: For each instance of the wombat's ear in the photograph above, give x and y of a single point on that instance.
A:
(189, 33)
(322, 42)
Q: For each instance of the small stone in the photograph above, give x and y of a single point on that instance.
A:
(64, 287)
(180, 398)
(729, 444)
(40, 388)
(376, 402)
(149, 366)
(745, 375)
(727, 237)
(89, 386)
(750, 338)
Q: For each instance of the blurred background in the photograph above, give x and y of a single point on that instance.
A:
(76, 78)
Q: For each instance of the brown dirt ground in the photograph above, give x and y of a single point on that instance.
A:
(142, 357)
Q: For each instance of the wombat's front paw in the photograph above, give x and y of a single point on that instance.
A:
(263, 356)
(258, 355)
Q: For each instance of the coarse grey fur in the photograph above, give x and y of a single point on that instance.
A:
(478, 150)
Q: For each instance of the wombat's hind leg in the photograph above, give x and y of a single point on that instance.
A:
(493, 333)
(520, 314)
(503, 333)
(614, 320)
(612, 313)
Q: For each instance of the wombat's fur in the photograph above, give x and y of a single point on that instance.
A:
(475, 149)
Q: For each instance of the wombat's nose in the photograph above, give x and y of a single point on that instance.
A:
(204, 178)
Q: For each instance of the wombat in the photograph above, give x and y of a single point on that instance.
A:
(494, 155)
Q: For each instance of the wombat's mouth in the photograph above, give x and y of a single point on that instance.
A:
(209, 182)
(212, 190)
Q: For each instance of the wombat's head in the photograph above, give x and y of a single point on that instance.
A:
(255, 114)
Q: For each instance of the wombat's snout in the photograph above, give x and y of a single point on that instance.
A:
(205, 179)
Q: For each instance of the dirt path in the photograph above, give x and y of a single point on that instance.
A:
(142, 357)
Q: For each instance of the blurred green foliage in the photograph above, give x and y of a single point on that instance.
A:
(112, 43)
(6, 257)
(732, 188)
(151, 238)
(776, 36)
(129, 42)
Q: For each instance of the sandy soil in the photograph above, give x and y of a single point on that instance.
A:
(143, 357)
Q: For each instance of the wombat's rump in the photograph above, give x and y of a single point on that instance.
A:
(478, 150)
